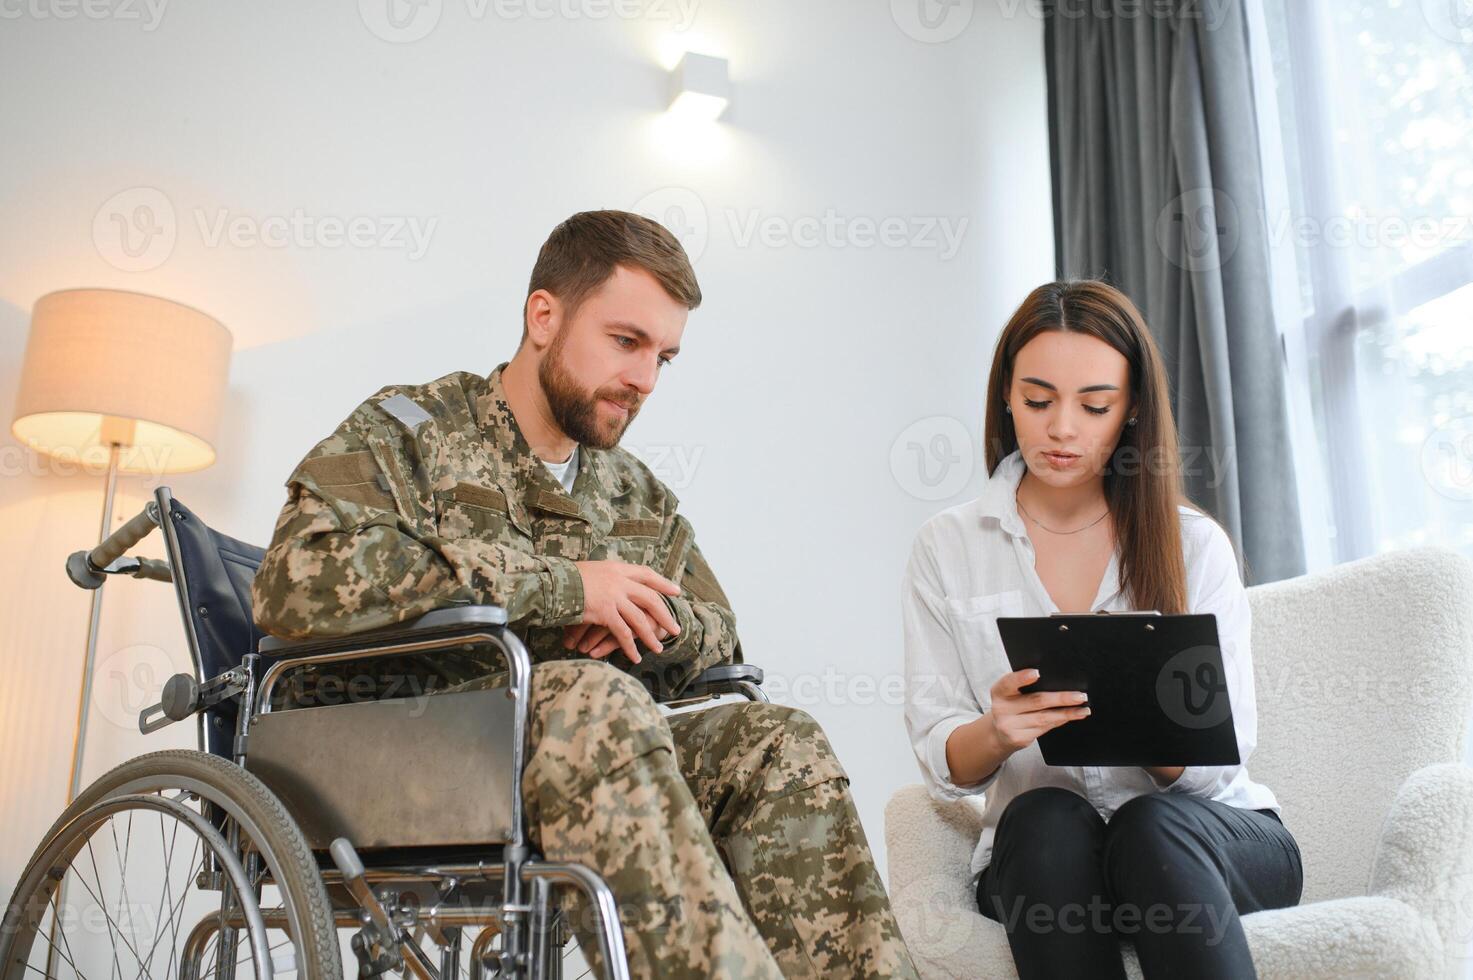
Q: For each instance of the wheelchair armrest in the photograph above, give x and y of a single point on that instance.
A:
(436, 620)
(437, 629)
(728, 673)
(450, 623)
(744, 679)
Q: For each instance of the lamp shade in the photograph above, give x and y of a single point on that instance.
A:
(108, 365)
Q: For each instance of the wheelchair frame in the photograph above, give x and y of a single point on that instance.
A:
(393, 902)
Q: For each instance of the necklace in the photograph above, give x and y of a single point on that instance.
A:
(1051, 530)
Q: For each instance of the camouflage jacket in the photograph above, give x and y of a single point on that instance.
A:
(429, 496)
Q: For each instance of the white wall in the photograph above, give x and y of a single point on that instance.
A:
(800, 371)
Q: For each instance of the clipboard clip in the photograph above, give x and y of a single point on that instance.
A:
(1106, 612)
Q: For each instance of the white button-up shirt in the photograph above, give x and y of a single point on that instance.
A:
(973, 563)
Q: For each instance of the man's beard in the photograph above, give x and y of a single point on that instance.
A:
(576, 410)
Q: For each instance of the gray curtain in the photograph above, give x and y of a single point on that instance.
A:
(1157, 189)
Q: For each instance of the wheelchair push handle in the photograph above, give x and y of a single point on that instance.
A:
(89, 569)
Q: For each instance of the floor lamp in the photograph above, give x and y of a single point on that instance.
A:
(130, 378)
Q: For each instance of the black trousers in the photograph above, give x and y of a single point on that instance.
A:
(1170, 872)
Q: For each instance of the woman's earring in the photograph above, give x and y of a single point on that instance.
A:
(1131, 422)
(1008, 409)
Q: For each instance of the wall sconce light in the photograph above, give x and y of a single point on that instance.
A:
(699, 88)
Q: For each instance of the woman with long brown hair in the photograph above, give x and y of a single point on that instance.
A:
(1084, 511)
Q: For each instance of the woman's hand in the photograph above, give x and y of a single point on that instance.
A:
(1020, 718)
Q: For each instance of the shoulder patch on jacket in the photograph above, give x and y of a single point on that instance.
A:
(405, 411)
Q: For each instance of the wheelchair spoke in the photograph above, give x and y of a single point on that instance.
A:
(123, 872)
(209, 954)
(66, 954)
(172, 918)
(79, 973)
(69, 956)
(216, 956)
(220, 956)
(166, 899)
(175, 908)
(97, 876)
(240, 961)
(127, 928)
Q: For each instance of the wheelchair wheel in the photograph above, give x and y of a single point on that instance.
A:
(174, 864)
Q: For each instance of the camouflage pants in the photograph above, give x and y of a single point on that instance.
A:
(727, 835)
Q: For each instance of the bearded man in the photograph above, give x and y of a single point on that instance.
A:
(727, 835)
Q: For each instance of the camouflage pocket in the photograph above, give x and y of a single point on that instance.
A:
(634, 540)
(473, 510)
(351, 482)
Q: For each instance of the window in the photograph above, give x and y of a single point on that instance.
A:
(1369, 131)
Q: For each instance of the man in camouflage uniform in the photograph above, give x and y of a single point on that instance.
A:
(727, 835)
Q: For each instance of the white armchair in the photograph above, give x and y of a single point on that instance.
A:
(1364, 678)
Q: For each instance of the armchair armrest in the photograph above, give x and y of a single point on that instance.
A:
(930, 844)
(1425, 855)
(435, 630)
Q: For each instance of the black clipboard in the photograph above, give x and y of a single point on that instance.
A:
(1156, 686)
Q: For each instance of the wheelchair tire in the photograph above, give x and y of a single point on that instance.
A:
(241, 796)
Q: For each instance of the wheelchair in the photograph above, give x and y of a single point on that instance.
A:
(284, 827)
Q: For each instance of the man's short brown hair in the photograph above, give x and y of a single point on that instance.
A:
(581, 254)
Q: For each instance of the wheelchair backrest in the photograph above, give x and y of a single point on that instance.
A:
(212, 579)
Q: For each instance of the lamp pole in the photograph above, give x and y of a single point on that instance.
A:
(79, 746)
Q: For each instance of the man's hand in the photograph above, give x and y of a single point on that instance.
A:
(622, 602)
(596, 641)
